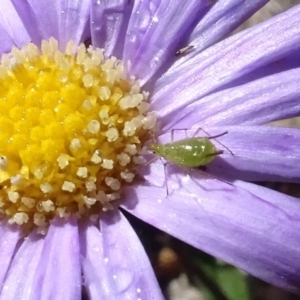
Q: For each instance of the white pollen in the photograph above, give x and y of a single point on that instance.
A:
(113, 196)
(19, 218)
(111, 75)
(87, 104)
(15, 180)
(68, 186)
(149, 121)
(61, 211)
(87, 80)
(90, 186)
(104, 116)
(97, 57)
(89, 201)
(48, 205)
(88, 64)
(61, 62)
(75, 144)
(13, 196)
(124, 159)
(112, 134)
(46, 187)
(93, 126)
(143, 107)
(45, 47)
(80, 54)
(135, 89)
(107, 164)
(104, 93)
(31, 51)
(127, 176)
(53, 43)
(113, 183)
(39, 219)
(130, 101)
(129, 129)
(82, 172)
(96, 159)
(29, 202)
(38, 173)
(70, 48)
(131, 149)
(101, 197)
(3, 162)
(139, 160)
(63, 161)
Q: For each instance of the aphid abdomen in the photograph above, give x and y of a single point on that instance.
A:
(191, 152)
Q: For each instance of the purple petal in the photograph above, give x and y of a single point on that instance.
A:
(58, 275)
(223, 17)
(72, 19)
(257, 152)
(155, 31)
(227, 61)
(109, 21)
(19, 280)
(267, 99)
(6, 41)
(257, 232)
(46, 15)
(29, 20)
(115, 263)
(63, 20)
(11, 22)
(9, 236)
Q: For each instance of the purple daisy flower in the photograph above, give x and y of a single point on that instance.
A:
(235, 85)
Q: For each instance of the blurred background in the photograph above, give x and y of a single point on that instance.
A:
(186, 273)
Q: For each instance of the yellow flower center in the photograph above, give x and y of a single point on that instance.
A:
(71, 128)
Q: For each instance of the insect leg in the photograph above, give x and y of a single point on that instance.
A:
(166, 178)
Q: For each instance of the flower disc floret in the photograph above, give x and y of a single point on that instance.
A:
(71, 128)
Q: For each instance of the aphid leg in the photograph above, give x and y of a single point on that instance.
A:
(210, 137)
(166, 178)
(172, 133)
(203, 170)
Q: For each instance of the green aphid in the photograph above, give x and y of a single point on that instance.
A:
(190, 152)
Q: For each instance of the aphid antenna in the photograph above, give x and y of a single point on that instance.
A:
(210, 137)
(215, 137)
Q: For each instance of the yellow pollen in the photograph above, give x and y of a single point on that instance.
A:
(71, 129)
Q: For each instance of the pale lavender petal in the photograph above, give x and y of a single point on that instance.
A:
(220, 20)
(58, 275)
(6, 41)
(91, 247)
(11, 22)
(29, 20)
(109, 21)
(267, 99)
(115, 264)
(227, 61)
(155, 30)
(257, 232)
(19, 280)
(9, 237)
(47, 14)
(258, 152)
(72, 19)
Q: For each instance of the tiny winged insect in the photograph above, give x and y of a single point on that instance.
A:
(184, 50)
